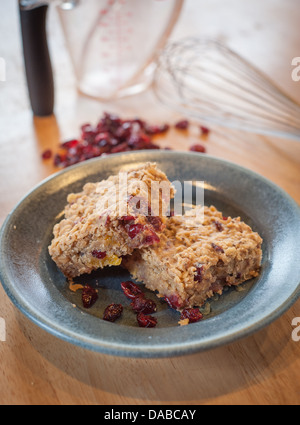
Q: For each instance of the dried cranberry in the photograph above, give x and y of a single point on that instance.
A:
(104, 146)
(139, 141)
(151, 239)
(113, 312)
(131, 290)
(146, 321)
(198, 148)
(140, 122)
(219, 226)
(99, 254)
(47, 154)
(144, 305)
(88, 149)
(199, 274)
(182, 125)
(111, 121)
(124, 131)
(87, 128)
(151, 146)
(60, 159)
(122, 147)
(134, 229)
(173, 301)
(100, 137)
(204, 130)
(217, 248)
(70, 144)
(113, 141)
(133, 140)
(71, 160)
(145, 138)
(127, 218)
(89, 296)
(157, 129)
(155, 222)
(192, 314)
(88, 133)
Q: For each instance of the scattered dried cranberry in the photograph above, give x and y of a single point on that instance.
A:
(131, 290)
(192, 314)
(142, 304)
(204, 130)
(99, 254)
(122, 147)
(134, 229)
(60, 160)
(199, 274)
(89, 296)
(87, 130)
(70, 144)
(47, 154)
(217, 248)
(146, 321)
(113, 312)
(157, 129)
(182, 125)
(111, 135)
(173, 301)
(198, 148)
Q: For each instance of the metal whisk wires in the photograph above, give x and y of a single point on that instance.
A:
(203, 79)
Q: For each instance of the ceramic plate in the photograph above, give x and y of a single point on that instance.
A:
(40, 291)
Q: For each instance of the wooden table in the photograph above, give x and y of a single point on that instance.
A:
(37, 368)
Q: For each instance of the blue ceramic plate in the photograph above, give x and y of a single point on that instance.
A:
(40, 291)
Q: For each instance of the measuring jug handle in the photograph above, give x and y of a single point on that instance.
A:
(37, 60)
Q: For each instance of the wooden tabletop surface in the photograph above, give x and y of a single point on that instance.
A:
(37, 368)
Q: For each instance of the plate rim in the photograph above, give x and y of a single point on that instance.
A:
(146, 352)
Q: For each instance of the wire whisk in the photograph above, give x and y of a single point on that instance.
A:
(203, 79)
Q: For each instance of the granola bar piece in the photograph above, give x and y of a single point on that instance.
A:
(110, 219)
(197, 256)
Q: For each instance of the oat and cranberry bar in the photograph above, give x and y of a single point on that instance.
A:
(197, 256)
(110, 219)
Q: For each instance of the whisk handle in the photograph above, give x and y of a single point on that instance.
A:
(37, 60)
